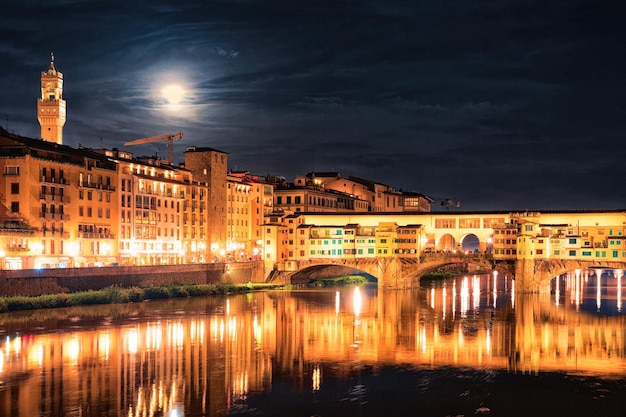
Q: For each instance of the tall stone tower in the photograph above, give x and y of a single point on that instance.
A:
(210, 166)
(51, 106)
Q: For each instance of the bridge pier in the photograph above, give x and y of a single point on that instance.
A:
(390, 274)
(526, 280)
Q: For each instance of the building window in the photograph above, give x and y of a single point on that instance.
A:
(15, 206)
(15, 188)
(12, 170)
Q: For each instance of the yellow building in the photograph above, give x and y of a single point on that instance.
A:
(239, 221)
(275, 239)
(66, 196)
(410, 240)
(155, 226)
(386, 239)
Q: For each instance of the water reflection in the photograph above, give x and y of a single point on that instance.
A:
(594, 290)
(211, 356)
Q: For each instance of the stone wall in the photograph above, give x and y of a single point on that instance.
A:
(34, 282)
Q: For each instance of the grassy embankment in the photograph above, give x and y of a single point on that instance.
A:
(117, 295)
(441, 275)
(341, 281)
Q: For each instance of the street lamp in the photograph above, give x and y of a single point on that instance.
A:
(73, 250)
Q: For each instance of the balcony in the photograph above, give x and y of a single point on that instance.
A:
(53, 216)
(16, 248)
(94, 235)
(54, 198)
(54, 180)
(13, 229)
(54, 233)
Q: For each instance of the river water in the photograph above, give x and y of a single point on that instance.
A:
(464, 346)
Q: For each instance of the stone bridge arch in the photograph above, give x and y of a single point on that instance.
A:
(327, 270)
(535, 275)
(390, 272)
(482, 240)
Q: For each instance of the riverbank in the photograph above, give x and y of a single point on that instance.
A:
(120, 295)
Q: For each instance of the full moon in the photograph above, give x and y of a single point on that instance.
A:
(173, 93)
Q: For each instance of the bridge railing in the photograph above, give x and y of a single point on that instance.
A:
(469, 257)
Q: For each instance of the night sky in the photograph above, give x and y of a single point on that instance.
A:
(501, 105)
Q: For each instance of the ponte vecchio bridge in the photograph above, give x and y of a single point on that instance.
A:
(398, 249)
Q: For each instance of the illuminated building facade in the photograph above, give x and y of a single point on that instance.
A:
(589, 238)
(249, 199)
(66, 200)
(275, 240)
(209, 166)
(154, 200)
(328, 192)
(410, 240)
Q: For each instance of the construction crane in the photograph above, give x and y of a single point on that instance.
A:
(168, 137)
(446, 202)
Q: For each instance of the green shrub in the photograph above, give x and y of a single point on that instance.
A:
(178, 291)
(134, 295)
(63, 300)
(157, 293)
(21, 303)
(89, 297)
(113, 294)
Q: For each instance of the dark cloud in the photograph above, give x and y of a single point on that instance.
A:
(501, 105)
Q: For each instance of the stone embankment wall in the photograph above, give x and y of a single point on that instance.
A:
(34, 282)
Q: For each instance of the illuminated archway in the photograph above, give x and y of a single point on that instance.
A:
(446, 243)
(470, 243)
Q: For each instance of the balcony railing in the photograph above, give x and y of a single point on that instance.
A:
(53, 216)
(53, 233)
(92, 235)
(54, 180)
(54, 197)
(16, 248)
(96, 186)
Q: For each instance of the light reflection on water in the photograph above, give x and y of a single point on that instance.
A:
(446, 349)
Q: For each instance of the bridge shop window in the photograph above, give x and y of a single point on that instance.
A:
(445, 223)
(469, 223)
